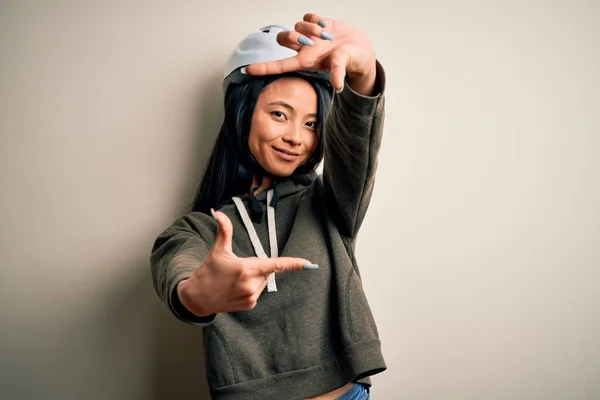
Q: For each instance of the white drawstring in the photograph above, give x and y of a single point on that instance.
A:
(258, 248)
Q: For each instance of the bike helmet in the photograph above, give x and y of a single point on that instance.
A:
(260, 46)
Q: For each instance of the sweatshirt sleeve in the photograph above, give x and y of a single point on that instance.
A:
(352, 140)
(176, 254)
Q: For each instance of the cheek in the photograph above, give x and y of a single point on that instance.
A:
(257, 135)
(253, 142)
(263, 130)
(311, 140)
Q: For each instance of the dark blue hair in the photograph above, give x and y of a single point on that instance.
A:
(231, 166)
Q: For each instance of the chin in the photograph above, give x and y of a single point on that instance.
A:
(280, 172)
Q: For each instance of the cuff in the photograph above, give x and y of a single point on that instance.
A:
(186, 315)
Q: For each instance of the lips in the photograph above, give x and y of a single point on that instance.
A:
(291, 153)
(286, 155)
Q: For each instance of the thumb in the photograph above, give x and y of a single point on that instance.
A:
(265, 266)
(224, 231)
(337, 69)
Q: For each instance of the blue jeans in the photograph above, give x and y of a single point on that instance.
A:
(357, 392)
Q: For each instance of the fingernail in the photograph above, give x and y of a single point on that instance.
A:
(212, 212)
(305, 41)
(244, 70)
(326, 35)
(340, 90)
(321, 23)
(310, 266)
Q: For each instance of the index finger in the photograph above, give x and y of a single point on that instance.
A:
(275, 67)
(265, 266)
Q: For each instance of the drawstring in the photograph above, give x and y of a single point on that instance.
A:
(256, 210)
(275, 199)
(258, 248)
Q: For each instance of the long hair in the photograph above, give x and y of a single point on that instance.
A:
(231, 167)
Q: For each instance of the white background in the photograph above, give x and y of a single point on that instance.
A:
(481, 249)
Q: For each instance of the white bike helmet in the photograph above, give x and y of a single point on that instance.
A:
(260, 46)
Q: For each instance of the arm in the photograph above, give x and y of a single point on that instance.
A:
(353, 128)
(176, 255)
(352, 140)
(198, 280)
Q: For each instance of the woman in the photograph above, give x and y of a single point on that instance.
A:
(296, 325)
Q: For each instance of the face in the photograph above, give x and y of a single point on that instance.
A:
(283, 133)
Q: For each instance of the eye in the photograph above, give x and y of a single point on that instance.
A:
(277, 114)
(311, 125)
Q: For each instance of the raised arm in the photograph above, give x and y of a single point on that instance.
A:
(354, 125)
(352, 141)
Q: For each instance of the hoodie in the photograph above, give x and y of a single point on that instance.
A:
(311, 332)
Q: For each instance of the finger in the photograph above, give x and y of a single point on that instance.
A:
(263, 285)
(337, 69)
(316, 19)
(275, 67)
(310, 29)
(224, 232)
(290, 39)
(267, 266)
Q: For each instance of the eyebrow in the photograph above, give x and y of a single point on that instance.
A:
(289, 107)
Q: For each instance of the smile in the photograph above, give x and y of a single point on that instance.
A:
(286, 154)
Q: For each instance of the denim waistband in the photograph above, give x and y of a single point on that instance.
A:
(358, 391)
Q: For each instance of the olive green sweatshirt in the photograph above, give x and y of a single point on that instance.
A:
(314, 332)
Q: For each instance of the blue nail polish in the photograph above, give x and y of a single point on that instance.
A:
(310, 266)
(305, 41)
(326, 35)
(321, 23)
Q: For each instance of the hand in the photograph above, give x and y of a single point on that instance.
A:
(225, 282)
(348, 53)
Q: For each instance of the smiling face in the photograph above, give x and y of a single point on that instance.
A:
(283, 132)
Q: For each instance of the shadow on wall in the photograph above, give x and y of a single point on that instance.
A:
(178, 351)
(179, 369)
(146, 353)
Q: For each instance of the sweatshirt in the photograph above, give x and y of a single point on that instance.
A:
(310, 332)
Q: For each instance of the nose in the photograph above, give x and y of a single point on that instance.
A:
(293, 134)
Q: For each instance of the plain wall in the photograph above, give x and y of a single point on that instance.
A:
(480, 252)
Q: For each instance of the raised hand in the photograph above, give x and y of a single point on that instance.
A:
(326, 45)
(225, 282)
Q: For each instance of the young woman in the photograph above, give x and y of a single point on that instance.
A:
(271, 274)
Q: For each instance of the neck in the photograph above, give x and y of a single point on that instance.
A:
(267, 182)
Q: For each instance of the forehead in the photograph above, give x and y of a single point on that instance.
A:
(295, 91)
